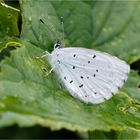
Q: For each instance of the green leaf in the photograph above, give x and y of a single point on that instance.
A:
(116, 28)
(25, 90)
(33, 30)
(27, 97)
(128, 134)
(8, 24)
(96, 25)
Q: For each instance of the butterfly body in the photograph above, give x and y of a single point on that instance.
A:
(88, 75)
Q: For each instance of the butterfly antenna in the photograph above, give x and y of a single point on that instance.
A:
(48, 28)
(62, 25)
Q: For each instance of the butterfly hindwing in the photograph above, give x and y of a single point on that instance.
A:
(89, 75)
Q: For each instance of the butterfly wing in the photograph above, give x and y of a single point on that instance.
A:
(90, 75)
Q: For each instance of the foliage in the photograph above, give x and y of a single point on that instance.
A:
(28, 98)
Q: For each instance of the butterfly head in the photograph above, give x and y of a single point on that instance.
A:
(58, 45)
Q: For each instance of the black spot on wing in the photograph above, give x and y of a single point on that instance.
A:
(94, 56)
(74, 55)
(71, 81)
(81, 86)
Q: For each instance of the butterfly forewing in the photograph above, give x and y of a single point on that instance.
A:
(89, 75)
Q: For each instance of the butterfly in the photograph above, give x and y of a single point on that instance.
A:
(89, 75)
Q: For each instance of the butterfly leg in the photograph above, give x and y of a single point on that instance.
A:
(45, 54)
(53, 68)
(47, 72)
(50, 71)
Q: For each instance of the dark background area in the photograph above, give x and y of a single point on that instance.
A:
(35, 132)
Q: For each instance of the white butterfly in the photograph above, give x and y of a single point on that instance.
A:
(88, 75)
